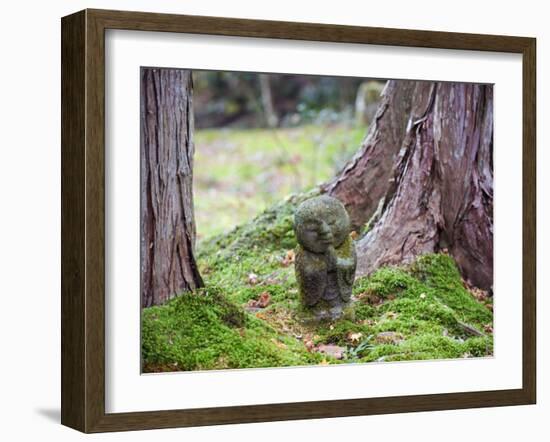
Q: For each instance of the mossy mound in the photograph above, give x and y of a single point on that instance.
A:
(204, 330)
(420, 311)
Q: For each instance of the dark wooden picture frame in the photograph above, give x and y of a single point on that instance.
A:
(83, 220)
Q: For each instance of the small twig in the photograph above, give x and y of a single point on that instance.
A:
(469, 329)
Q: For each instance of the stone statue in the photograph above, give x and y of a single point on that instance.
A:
(325, 259)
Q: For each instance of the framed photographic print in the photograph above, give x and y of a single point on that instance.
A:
(266, 221)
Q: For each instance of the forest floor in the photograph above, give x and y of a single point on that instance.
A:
(247, 315)
(238, 173)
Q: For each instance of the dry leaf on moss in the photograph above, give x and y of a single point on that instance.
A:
(252, 278)
(289, 258)
(355, 337)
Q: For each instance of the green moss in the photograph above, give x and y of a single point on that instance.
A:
(204, 331)
(364, 311)
(418, 315)
(386, 281)
(248, 260)
(425, 304)
(430, 346)
(440, 273)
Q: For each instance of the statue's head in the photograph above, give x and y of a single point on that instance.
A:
(321, 222)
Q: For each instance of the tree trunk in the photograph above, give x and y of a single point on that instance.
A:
(168, 265)
(439, 195)
(267, 101)
(366, 178)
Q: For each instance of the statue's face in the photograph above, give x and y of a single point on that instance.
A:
(321, 222)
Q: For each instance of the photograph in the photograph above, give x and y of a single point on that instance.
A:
(291, 220)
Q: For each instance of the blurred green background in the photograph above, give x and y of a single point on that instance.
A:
(261, 137)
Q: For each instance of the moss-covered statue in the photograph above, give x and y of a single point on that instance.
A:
(325, 259)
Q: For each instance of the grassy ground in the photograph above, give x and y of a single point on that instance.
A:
(246, 316)
(241, 172)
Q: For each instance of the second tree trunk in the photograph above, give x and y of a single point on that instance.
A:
(439, 192)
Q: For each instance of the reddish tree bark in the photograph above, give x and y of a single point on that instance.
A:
(366, 178)
(168, 265)
(439, 194)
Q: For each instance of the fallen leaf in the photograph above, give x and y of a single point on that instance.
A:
(480, 295)
(324, 362)
(252, 278)
(289, 258)
(355, 337)
(476, 292)
(354, 235)
(264, 300)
